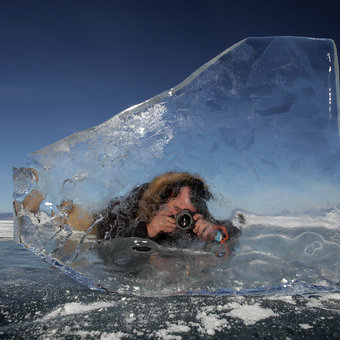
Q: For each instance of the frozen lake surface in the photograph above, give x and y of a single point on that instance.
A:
(40, 302)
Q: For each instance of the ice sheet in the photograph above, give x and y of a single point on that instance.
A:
(259, 123)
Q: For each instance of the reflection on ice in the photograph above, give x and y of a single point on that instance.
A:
(270, 253)
(259, 123)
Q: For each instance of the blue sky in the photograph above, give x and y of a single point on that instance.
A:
(69, 65)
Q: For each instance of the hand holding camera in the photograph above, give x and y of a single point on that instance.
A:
(186, 221)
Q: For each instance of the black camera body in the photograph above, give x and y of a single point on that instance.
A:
(185, 220)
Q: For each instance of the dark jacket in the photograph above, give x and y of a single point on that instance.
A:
(120, 219)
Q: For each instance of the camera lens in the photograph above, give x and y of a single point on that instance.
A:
(184, 220)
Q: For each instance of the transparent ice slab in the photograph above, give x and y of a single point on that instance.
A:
(259, 123)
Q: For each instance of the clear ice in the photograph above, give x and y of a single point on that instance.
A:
(259, 123)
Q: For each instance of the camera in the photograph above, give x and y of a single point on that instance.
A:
(185, 220)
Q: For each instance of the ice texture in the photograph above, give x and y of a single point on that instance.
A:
(259, 123)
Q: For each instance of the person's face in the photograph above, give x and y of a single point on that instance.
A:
(181, 202)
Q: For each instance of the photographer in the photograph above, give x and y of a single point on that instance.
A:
(172, 206)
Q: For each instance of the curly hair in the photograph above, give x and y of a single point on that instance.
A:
(167, 186)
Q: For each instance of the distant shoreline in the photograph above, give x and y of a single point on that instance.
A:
(6, 216)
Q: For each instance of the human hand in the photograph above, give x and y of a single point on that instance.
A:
(162, 222)
(204, 230)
